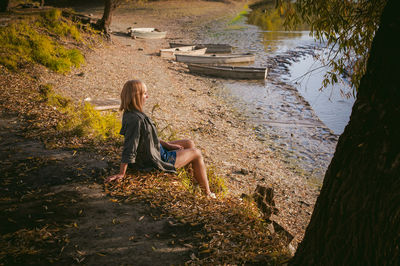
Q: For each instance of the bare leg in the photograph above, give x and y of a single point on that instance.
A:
(185, 143)
(193, 155)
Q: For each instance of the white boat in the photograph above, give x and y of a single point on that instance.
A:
(171, 52)
(215, 59)
(230, 72)
(212, 48)
(146, 33)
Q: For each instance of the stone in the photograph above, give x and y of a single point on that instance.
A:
(264, 198)
(244, 171)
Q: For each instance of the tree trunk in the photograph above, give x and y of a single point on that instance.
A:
(4, 5)
(356, 220)
(105, 22)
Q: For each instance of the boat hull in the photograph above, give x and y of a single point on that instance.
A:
(149, 34)
(229, 72)
(215, 59)
(211, 48)
(171, 52)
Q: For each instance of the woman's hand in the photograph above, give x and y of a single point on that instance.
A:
(114, 177)
(170, 146)
(173, 147)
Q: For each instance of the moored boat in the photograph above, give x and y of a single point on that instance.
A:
(146, 33)
(230, 72)
(215, 59)
(212, 48)
(171, 52)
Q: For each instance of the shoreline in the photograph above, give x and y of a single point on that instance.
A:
(189, 107)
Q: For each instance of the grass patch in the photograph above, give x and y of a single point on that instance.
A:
(28, 41)
(81, 120)
(216, 182)
(240, 16)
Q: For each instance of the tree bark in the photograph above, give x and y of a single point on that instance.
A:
(105, 22)
(4, 5)
(356, 220)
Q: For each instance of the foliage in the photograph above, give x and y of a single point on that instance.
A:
(216, 182)
(53, 22)
(23, 42)
(348, 28)
(81, 120)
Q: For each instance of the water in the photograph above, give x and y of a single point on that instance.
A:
(302, 120)
(332, 104)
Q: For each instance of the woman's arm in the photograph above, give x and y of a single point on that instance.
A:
(122, 171)
(131, 132)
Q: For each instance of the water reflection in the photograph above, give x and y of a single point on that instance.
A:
(273, 40)
(267, 17)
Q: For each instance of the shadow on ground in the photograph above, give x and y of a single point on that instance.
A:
(54, 210)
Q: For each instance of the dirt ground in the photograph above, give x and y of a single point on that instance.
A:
(99, 231)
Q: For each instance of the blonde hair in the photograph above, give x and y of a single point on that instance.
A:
(132, 96)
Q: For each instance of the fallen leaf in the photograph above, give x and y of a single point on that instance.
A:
(82, 253)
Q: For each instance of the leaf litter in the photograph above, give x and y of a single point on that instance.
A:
(231, 229)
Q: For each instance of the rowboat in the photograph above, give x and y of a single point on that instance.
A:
(212, 48)
(230, 72)
(215, 59)
(146, 33)
(171, 52)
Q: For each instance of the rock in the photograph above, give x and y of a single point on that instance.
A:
(244, 171)
(264, 198)
(140, 49)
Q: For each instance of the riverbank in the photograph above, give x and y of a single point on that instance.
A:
(187, 106)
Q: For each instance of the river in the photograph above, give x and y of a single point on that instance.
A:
(288, 111)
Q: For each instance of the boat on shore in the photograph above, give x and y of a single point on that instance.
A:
(230, 72)
(212, 48)
(171, 52)
(147, 33)
(215, 59)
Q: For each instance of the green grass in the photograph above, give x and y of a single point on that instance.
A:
(81, 120)
(240, 16)
(216, 182)
(28, 41)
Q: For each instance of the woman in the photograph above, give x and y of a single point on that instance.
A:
(142, 146)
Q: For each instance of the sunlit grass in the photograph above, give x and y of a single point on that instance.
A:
(28, 41)
(81, 120)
